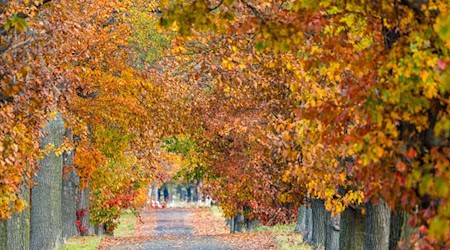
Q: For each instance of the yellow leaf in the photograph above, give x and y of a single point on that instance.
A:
(19, 205)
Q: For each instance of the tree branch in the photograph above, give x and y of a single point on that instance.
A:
(218, 5)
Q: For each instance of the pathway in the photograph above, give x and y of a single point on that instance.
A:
(186, 228)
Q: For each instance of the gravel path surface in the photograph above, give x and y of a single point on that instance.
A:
(185, 228)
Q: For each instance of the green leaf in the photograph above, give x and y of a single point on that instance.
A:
(442, 187)
(18, 23)
(259, 46)
(425, 184)
(438, 227)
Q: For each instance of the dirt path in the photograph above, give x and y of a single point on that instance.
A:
(186, 228)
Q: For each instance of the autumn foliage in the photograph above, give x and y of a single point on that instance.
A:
(337, 100)
(270, 103)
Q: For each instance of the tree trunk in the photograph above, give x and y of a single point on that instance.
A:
(407, 232)
(238, 222)
(15, 232)
(351, 227)
(99, 229)
(319, 218)
(377, 226)
(3, 234)
(69, 204)
(195, 195)
(251, 224)
(231, 222)
(307, 233)
(19, 226)
(395, 233)
(69, 195)
(83, 204)
(301, 219)
(332, 232)
(46, 225)
(195, 191)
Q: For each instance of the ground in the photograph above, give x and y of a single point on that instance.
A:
(186, 228)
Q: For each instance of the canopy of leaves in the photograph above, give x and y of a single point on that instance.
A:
(271, 103)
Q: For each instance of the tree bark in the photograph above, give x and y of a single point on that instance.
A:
(15, 232)
(407, 232)
(301, 219)
(46, 225)
(195, 193)
(238, 222)
(319, 219)
(3, 234)
(19, 226)
(307, 233)
(395, 232)
(69, 204)
(352, 227)
(378, 219)
(99, 229)
(83, 203)
(332, 232)
(251, 224)
(231, 222)
(69, 195)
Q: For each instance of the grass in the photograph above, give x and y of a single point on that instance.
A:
(276, 228)
(127, 224)
(126, 227)
(216, 211)
(82, 243)
(285, 236)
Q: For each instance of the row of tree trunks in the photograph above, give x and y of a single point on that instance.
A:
(380, 228)
(51, 217)
(239, 223)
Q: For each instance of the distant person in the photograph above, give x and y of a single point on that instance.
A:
(188, 194)
(166, 194)
(159, 194)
